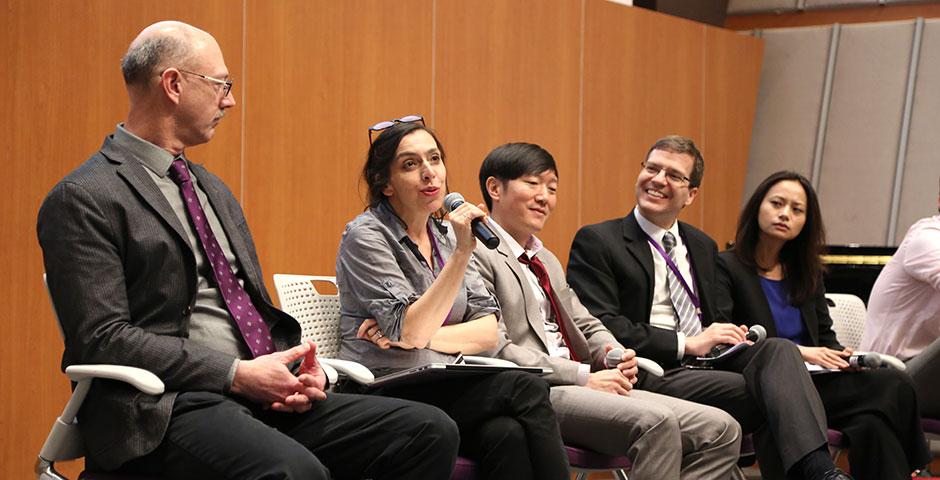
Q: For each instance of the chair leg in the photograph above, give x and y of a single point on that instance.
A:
(836, 453)
(45, 470)
(620, 475)
(580, 475)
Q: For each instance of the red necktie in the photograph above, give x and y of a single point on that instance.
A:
(538, 268)
(253, 329)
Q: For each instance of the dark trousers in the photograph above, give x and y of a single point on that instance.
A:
(877, 411)
(924, 369)
(767, 389)
(506, 422)
(213, 436)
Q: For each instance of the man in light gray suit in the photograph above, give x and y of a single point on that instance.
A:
(150, 264)
(544, 324)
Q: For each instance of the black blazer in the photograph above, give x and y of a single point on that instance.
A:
(611, 269)
(740, 299)
(122, 276)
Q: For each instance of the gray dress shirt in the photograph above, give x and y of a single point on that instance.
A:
(210, 322)
(380, 272)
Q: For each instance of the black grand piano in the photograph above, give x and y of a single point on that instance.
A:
(854, 268)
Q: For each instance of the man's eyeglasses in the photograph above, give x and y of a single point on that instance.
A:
(378, 127)
(672, 176)
(226, 84)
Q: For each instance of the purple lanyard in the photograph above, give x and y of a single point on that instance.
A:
(676, 272)
(435, 252)
(440, 261)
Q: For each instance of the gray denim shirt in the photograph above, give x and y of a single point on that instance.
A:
(380, 273)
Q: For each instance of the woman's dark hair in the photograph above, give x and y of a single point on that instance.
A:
(800, 257)
(377, 171)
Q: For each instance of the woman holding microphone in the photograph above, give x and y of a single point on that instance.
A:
(410, 295)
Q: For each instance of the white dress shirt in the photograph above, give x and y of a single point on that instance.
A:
(662, 314)
(904, 307)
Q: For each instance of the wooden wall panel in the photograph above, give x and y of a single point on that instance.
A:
(320, 73)
(64, 94)
(640, 83)
(732, 77)
(509, 72)
(592, 81)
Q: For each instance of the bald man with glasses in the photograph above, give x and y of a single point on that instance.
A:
(151, 264)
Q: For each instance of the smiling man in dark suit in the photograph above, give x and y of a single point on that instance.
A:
(150, 263)
(649, 279)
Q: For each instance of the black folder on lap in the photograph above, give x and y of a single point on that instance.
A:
(446, 371)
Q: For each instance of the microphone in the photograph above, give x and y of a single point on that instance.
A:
(866, 359)
(615, 354)
(755, 333)
(480, 230)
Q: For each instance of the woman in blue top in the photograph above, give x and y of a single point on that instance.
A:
(410, 295)
(773, 277)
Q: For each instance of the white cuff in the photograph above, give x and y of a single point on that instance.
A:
(231, 375)
(680, 347)
(584, 373)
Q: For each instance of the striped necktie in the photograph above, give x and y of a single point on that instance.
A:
(689, 323)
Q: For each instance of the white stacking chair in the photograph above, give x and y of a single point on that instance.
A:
(848, 318)
(848, 314)
(318, 315)
(65, 441)
(319, 319)
(848, 321)
(316, 312)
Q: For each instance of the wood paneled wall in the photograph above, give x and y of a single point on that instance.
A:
(592, 81)
(641, 84)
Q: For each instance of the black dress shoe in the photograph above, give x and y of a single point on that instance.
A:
(836, 474)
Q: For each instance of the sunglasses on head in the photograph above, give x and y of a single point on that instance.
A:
(378, 127)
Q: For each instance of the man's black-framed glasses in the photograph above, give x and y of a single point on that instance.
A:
(226, 84)
(378, 127)
(672, 176)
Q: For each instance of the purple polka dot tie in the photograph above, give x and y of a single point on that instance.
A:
(253, 329)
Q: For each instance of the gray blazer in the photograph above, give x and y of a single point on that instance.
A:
(123, 280)
(522, 336)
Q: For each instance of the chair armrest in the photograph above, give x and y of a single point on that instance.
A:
(650, 366)
(64, 441)
(356, 371)
(141, 379)
(331, 374)
(477, 360)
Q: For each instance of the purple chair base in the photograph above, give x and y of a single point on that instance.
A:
(588, 460)
(114, 476)
(464, 469)
(836, 439)
(930, 425)
(748, 454)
